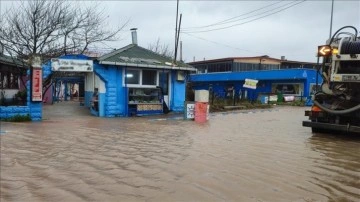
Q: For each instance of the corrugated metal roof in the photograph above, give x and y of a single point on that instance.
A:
(232, 59)
(134, 55)
(4, 59)
(238, 58)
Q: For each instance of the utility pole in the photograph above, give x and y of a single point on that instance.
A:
(177, 39)
(176, 28)
(180, 50)
(331, 18)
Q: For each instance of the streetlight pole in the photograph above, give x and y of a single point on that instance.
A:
(331, 19)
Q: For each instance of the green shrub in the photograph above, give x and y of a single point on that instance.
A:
(18, 118)
(21, 94)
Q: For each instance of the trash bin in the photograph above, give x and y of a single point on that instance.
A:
(201, 109)
(280, 97)
(264, 99)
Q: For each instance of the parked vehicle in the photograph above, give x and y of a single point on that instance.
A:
(337, 103)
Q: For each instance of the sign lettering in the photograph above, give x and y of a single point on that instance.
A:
(68, 65)
(36, 94)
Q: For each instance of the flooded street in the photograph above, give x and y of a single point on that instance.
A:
(259, 155)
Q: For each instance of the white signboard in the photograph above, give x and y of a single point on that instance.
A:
(250, 83)
(69, 65)
(273, 98)
(190, 111)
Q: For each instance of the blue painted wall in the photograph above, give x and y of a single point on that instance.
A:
(220, 81)
(258, 75)
(10, 111)
(178, 93)
(113, 100)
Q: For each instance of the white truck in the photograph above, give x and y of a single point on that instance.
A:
(336, 105)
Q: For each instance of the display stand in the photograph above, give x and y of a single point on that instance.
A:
(145, 101)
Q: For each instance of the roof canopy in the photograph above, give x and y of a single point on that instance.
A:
(136, 56)
(10, 61)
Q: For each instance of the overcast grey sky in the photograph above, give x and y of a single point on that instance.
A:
(294, 32)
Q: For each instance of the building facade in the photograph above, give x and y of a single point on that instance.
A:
(12, 78)
(136, 81)
(274, 76)
(126, 82)
(16, 93)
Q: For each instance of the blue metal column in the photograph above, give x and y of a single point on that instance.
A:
(66, 91)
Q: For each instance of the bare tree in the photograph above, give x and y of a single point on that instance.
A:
(51, 28)
(162, 49)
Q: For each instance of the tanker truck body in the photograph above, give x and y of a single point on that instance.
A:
(336, 105)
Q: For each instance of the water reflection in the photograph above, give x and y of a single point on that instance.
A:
(262, 155)
(337, 167)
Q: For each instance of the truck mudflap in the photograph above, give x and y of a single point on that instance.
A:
(330, 126)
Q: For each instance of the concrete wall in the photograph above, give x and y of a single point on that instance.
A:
(10, 111)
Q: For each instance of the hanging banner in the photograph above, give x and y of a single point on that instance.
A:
(36, 90)
(250, 83)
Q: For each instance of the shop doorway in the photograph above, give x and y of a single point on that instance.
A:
(65, 86)
(164, 83)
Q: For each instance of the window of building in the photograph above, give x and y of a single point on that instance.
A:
(132, 76)
(149, 77)
(9, 80)
(201, 69)
(141, 78)
(220, 67)
(288, 88)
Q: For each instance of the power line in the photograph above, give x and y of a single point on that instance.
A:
(259, 14)
(209, 30)
(231, 19)
(225, 45)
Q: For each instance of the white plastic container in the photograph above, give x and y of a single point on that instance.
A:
(201, 96)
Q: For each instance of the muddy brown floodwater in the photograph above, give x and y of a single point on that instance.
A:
(259, 155)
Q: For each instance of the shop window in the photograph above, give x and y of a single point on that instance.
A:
(141, 78)
(9, 80)
(149, 77)
(287, 88)
(132, 77)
